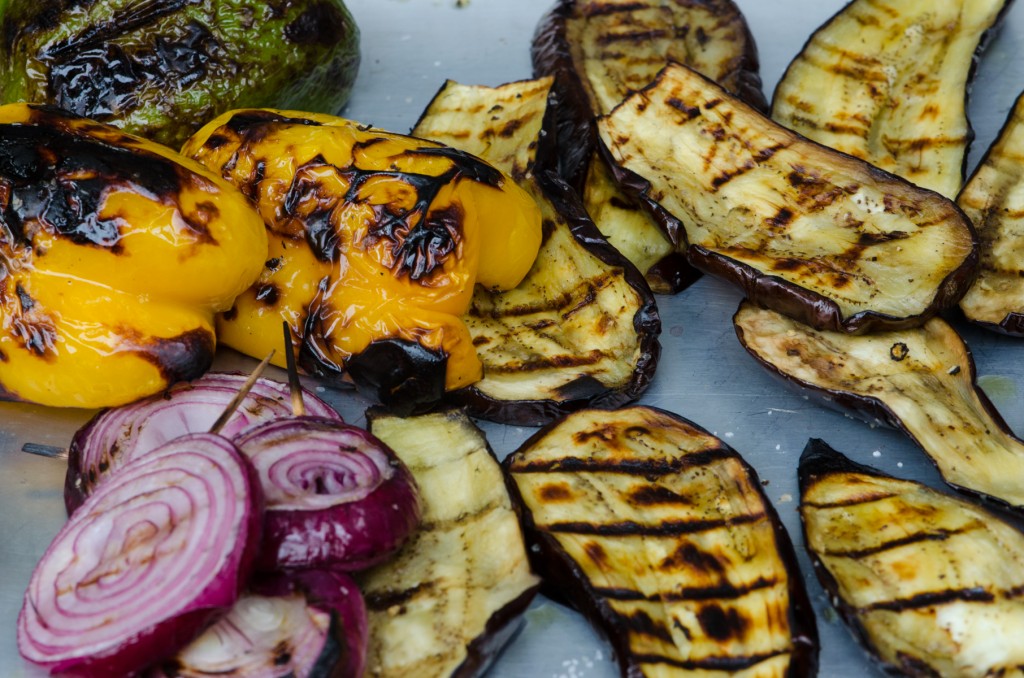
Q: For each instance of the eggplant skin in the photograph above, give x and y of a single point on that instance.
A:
(819, 235)
(599, 51)
(455, 594)
(582, 327)
(921, 381)
(929, 584)
(887, 81)
(992, 199)
(162, 68)
(660, 535)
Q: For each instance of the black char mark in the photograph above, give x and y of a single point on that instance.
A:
(182, 358)
(320, 24)
(98, 73)
(59, 182)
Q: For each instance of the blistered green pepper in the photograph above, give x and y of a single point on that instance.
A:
(163, 68)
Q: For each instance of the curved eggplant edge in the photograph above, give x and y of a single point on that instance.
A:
(986, 37)
(781, 295)
(576, 129)
(874, 412)
(646, 323)
(563, 581)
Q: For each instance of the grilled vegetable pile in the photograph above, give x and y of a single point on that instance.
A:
(929, 584)
(115, 255)
(376, 243)
(886, 81)
(162, 68)
(920, 380)
(993, 200)
(454, 595)
(818, 235)
(582, 327)
(661, 535)
(601, 51)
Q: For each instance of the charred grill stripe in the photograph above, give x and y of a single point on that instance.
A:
(609, 8)
(551, 362)
(668, 528)
(846, 503)
(940, 535)
(733, 663)
(560, 304)
(636, 467)
(930, 598)
(724, 591)
(725, 177)
(632, 36)
(384, 600)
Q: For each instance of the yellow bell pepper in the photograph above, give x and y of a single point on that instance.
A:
(115, 253)
(373, 237)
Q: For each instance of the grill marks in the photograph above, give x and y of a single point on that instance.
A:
(671, 533)
(921, 380)
(927, 580)
(898, 72)
(851, 246)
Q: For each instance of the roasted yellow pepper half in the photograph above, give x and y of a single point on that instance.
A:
(115, 253)
(376, 243)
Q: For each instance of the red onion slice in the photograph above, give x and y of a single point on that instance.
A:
(115, 436)
(305, 625)
(336, 496)
(150, 558)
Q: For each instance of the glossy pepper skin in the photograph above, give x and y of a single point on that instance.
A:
(115, 253)
(162, 68)
(376, 243)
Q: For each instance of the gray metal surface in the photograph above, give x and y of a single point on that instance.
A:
(409, 48)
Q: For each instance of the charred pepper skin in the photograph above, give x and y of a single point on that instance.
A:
(376, 243)
(115, 253)
(162, 68)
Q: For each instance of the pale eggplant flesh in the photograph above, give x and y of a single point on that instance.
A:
(582, 328)
(811, 232)
(887, 81)
(454, 595)
(931, 585)
(661, 535)
(600, 51)
(921, 381)
(994, 200)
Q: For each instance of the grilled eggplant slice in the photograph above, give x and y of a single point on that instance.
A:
(921, 381)
(994, 200)
(581, 329)
(931, 585)
(455, 594)
(600, 51)
(661, 535)
(886, 81)
(813, 233)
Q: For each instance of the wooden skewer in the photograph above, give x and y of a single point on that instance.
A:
(240, 396)
(298, 406)
(51, 451)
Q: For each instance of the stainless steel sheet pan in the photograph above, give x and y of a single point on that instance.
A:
(409, 48)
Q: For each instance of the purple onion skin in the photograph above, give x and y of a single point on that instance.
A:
(352, 533)
(164, 636)
(336, 593)
(104, 443)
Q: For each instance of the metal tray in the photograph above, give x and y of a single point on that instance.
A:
(409, 48)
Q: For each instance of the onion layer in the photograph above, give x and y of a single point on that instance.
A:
(115, 436)
(308, 624)
(336, 496)
(150, 558)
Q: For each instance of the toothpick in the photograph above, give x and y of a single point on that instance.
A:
(240, 396)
